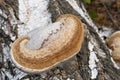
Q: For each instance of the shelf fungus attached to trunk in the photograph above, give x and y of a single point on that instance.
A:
(44, 49)
(113, 43)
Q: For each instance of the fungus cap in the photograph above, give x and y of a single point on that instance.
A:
(61, 45)
(113, 43)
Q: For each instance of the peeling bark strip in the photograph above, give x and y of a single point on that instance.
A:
(33, 14)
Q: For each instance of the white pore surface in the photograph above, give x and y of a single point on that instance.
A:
(37, 37)
(34, 14)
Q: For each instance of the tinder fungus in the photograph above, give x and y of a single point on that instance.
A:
(56, 44)
(114, 44)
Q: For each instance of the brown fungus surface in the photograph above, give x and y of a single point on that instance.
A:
(113, 43)
(60, 48)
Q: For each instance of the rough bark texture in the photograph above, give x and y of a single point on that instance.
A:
(76, 68)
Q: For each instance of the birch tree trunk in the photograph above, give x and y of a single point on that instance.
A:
(93, 62)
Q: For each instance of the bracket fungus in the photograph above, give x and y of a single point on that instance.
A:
(55, 44)
(113, 43)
